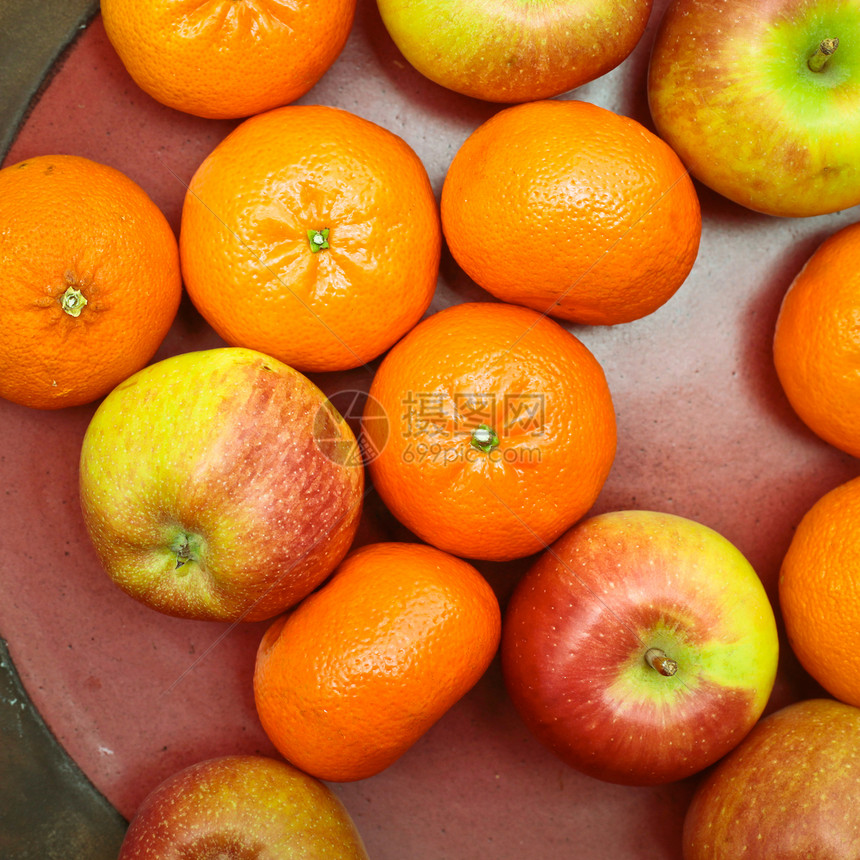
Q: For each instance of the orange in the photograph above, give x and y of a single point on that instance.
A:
(91, 281)
(227, 58)
(816, 346)
(493, 430)
(362, 668)
(312, 235)
(819, 592)
(572, 210)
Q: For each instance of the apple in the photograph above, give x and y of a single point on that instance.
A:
(501, 51)
(761, 99)
(219, 484)
(242, 807)
(640, 647)
(788, 791)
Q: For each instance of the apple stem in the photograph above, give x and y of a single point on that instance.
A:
(657, 659)
(183, 550)
(822, 54)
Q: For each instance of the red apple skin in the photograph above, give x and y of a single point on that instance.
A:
(789, 791)
(503, 51)
(219, 485)
(581, 620)
(730, 90)
(242, 807)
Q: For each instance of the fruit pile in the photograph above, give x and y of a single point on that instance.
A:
(232, 484)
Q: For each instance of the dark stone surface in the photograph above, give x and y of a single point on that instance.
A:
(48, 808)
(33, 36)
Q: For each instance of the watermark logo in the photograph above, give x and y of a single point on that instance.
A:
(436, 426)
(468, 425)
(417, 451)
(365, 417)
(509, 414)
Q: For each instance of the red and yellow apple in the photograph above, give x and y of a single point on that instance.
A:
(789, 791)
(640, 647)
(219, 484)
(501, 51)
(761, 99)
(242, 807)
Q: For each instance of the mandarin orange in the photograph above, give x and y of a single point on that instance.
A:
(572, 210)
(313, 235)
(226, 59)
(362, 668)
(816, 344)
(91, 278)
(819, 592)
(491, 428)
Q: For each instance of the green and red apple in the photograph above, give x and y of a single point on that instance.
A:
(640, 647)
(220, 484)
(242, 807)
(761, 100)
(514, 51)
(789, 791)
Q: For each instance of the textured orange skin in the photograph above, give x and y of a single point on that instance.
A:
(222, 59)
(543, 476)
(241, 807)
(246, 259)
(789, 791)
(66, 221)
(362, 668)
(819, 592)
(816, 345)
(572, 210)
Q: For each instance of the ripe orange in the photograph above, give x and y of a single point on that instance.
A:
(362, 668)
(312, 235)
(224, 59)
(819, 592)
(572, 210)
(91, 281)
(493, 428)
(816, 346)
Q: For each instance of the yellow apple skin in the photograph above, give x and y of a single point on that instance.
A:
(731, 91)
(242, 807)
(514, 50)
(219, 485)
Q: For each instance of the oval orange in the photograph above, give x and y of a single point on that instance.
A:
(362, 668)
(572, 210)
